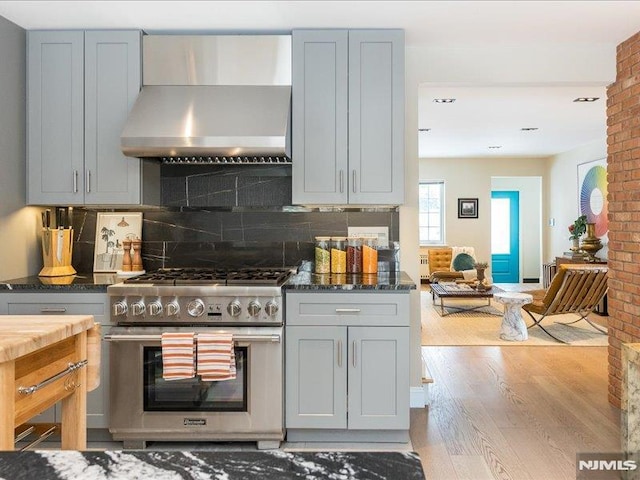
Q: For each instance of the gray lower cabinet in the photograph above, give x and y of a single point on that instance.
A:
(96, 304)
(80, 87)
(347, 367)
(348, 117)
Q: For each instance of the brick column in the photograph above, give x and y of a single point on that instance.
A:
(623, 172)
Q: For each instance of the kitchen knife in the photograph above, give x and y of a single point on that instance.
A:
(44, 219)
(47, 218)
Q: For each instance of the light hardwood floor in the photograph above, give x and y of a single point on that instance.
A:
(513, 412)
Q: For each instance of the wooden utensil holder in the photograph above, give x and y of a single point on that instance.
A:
(57, 246)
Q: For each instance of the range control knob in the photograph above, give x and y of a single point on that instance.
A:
(120, 308)
(172, 308)
(155, 308)
(195, 308)
(254, 308)
(234, 308)
(271, 308)
(137, 308)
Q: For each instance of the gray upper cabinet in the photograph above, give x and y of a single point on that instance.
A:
(81, 86)
(348, 117)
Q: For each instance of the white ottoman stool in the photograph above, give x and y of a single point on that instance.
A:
(513, 326)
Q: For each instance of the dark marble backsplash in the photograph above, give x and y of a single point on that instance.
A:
(225, 185)
(200, 237)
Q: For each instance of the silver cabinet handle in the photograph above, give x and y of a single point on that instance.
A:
(70, 368)
(341, 181)
(347, 310)
(354, 181)
(75, 181)
(53, 310)
(88, 181)
(354, 353)
(339, 353)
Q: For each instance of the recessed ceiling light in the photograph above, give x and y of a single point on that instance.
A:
(529, 129)
(495, 146)
(586, 99)
(444, 100)
(424, 129)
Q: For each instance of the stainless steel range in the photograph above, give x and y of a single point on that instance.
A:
(246, 303)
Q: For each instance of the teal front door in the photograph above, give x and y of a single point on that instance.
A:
(505, 227)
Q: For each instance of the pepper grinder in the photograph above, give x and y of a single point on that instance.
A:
(136, 262)
(126, 259)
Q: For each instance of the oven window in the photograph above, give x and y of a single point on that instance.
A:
(193, 395)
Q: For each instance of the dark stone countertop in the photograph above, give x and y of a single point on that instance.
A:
(309, 281)
(165, 465)
(81, 282)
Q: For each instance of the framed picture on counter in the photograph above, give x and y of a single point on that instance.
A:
(111, 229)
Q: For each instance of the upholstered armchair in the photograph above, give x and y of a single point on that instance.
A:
(575, 288)
(441, 263)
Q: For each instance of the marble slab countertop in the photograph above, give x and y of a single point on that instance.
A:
(81, 282)
(165, 465)
(335, 282)
(24, 334)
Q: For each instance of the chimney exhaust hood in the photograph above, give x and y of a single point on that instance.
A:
(212, 99)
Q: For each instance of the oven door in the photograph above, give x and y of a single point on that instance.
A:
(143, 406)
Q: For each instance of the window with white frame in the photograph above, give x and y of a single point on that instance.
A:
(431, 213)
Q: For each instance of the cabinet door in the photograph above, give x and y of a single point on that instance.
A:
(376, 116)
(316, 377)
(55, 117)
(112, 83)
(378, 378)
(319, 117)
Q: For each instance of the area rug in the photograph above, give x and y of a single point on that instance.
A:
(478, 312)
(477, 328)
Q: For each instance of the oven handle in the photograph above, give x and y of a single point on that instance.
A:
(150, 338)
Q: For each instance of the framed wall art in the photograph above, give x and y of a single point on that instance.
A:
(111, 229)
(467, 208)
(592, 194)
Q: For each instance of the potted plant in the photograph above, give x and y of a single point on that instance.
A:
(577, 229)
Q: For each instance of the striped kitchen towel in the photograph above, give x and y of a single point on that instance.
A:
(216, 358)
(178, 355)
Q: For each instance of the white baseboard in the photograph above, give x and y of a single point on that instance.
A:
(417, 396)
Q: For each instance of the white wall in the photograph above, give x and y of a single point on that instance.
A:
(19, 253)
(562, 204)
(474, 178)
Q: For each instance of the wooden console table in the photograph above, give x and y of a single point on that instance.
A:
(45, 359)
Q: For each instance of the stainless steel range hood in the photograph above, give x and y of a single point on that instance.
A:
(212, 96)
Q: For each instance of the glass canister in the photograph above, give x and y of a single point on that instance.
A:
(323, 255)
(354, 255)
(338, 255)
(369, 255)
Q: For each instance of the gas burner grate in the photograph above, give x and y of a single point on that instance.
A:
(257, 277)
(211, 276)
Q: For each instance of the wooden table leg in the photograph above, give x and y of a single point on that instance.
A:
(7, 405)
(74, 407)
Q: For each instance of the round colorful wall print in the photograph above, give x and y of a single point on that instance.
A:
(593, 199)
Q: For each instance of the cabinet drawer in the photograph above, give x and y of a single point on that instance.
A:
(347, 309)
(53, 308)
(62, 303)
